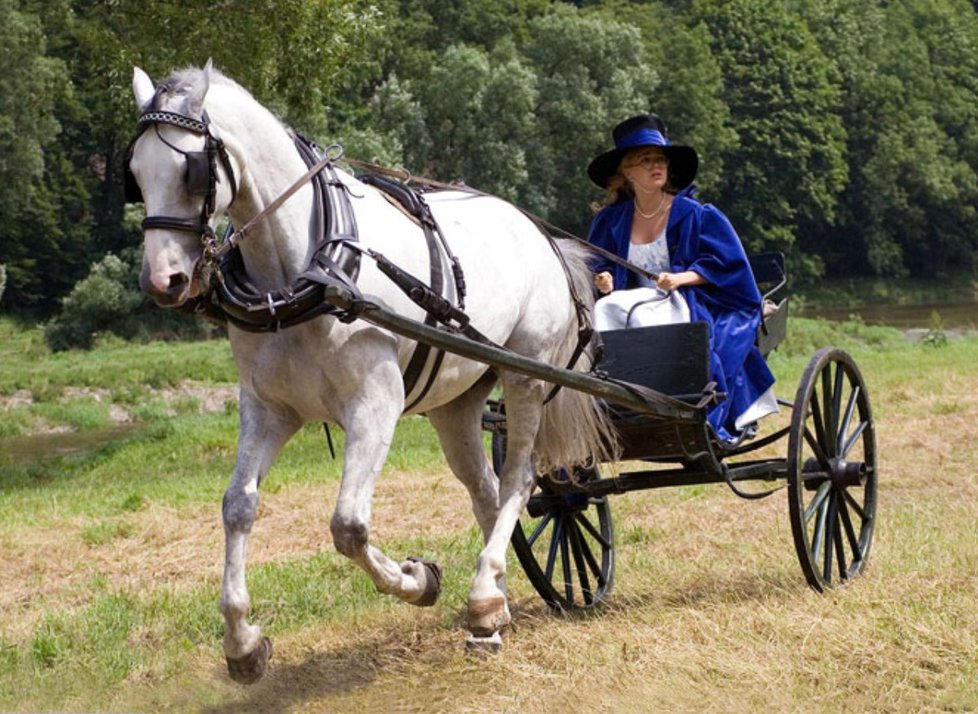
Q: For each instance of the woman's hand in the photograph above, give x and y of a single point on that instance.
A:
(671, 281)
(604, 283)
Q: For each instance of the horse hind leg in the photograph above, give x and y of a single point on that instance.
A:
(488, 611)
(459, 428)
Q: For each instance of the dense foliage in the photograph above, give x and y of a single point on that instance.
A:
(844, 133)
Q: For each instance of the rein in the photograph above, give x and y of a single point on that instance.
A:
(332, 154)
(406, 176)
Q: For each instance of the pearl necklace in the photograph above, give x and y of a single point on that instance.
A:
(654, 213)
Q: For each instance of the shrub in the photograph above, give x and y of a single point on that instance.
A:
(108, 301)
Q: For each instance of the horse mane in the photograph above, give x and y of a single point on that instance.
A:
(185, 79)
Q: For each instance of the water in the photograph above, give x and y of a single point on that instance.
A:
(38, 447)
(961, 315)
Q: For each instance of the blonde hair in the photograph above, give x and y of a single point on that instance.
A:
(618, 187)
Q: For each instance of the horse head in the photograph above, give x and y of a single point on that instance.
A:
(181, 170)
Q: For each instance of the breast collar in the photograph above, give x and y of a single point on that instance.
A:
(235, 298)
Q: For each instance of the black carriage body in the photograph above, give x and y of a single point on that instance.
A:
(566, 546)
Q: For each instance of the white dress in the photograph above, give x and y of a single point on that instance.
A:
(646, 305)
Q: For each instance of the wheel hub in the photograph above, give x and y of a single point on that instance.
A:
(847, 473)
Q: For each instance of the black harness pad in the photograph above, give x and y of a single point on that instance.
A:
(400, 192)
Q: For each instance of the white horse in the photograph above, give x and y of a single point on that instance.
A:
(326, 370)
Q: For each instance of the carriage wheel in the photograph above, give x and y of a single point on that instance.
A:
(832, 470)
(565, 543)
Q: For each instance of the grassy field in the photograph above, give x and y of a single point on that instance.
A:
(112, 557)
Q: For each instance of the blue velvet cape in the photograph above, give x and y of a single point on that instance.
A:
(700, 238)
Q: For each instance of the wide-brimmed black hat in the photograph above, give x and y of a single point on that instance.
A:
(639, 131)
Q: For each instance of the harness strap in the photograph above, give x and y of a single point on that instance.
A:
(585, 332)
(420, 357)
(428, 300)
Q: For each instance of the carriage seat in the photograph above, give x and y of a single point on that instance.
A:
(674, 359)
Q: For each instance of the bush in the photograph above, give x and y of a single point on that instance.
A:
(109, 301)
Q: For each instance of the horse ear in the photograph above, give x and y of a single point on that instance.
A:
(142, 88)
(195, 102)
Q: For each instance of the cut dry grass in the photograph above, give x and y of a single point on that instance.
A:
(115, 609)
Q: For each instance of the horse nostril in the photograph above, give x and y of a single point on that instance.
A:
(178, 281)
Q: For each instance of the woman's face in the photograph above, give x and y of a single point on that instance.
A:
(646, 170)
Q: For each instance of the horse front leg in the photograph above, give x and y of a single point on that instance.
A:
(262, 435)
(369, 426)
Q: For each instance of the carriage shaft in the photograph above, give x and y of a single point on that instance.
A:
(633, 397)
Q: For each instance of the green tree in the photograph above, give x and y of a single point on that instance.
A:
(910, 103)
(43, 198)
(66, 110)
(789, 167)
(466, 120)
(522, 121)
(592, 72)
(689, 96)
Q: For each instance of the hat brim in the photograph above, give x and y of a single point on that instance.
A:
(683, 164)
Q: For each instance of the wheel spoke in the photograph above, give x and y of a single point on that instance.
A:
(539, 529)
(855, 506)
(818, 536)
(554, 545)
(574, 535)
(589, 527)
(565, 564)
(855, 436)
(817, 499)
(834, 426)
(830, 528)
(846, 420)
(850, 531)
(828, 435)
(840, 552)
(816, 415)
(593, 563)
(816, 448)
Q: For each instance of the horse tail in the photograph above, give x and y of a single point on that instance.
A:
(574, 429)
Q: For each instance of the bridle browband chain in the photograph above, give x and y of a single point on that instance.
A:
(173, 118)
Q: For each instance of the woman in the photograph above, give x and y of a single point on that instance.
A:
(694, 262)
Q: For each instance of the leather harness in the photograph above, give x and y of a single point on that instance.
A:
(335, 263)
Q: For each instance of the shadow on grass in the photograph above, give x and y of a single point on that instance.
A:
(336, 671)
(321, 675)
(340, 670)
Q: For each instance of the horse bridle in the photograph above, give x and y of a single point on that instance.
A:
(201, 175)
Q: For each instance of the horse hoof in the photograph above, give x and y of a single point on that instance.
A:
(483, 646)
(488, 616)
(432, 582)
(250, 668)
